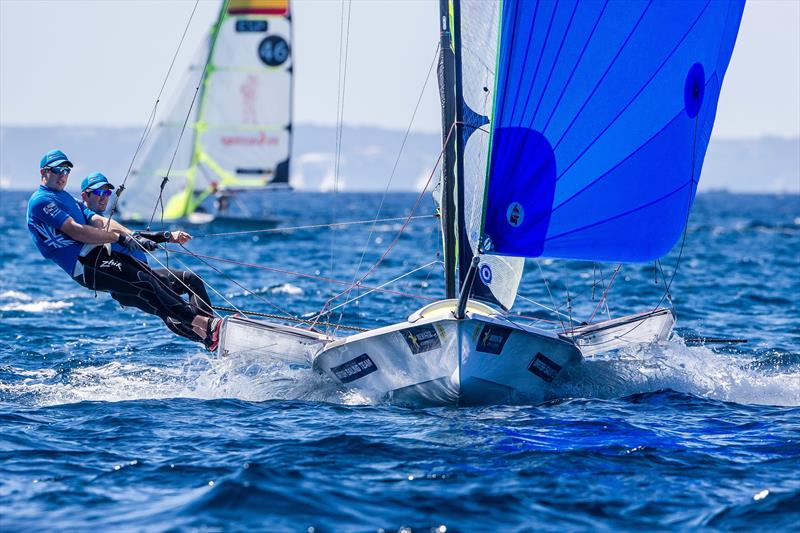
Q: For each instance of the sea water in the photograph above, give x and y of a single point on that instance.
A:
(109, 421)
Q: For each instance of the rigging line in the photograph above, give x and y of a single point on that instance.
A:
(605, 293)
(148, 127)
(534, 302)
(402, 229)
(547, 286)
(516, 319)
(396, 162)
(164, 181)
(344, 43)
(301, 275)
(378, 288)
(578, 295)
(160, 200)
(311, 226)
(569, 298)
(663, 278)
(603, 280)
(280, 317)
(229, 278)
(686, 220)
(189, 288)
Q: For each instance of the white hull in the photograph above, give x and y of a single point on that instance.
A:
(641, 328)
(435, 359)
(267, 340)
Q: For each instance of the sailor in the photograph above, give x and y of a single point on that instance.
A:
(96, 193)
(75, 238)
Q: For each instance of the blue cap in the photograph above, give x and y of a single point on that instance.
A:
(54, 158)
(95, 181)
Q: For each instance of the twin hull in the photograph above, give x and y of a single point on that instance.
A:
(444, 361)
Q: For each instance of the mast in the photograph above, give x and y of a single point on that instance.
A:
(464, 258)
(207, 69)
(448, 99)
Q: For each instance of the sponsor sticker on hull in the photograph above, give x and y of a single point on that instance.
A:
(354, 369)
(421, 338)
(544, 367)
(492, 338)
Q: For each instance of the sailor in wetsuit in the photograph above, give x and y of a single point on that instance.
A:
(73, 237)
(96, 193)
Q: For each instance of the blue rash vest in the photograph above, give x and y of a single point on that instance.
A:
(48, 209)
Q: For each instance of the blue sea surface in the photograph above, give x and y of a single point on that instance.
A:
(109, 421)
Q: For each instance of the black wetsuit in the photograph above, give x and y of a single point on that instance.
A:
(133, 283)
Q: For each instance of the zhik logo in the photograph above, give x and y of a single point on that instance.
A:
(111, 263)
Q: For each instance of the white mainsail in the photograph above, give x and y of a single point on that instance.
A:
(479, 34)
(238, 133)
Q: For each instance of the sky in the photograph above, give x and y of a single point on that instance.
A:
(102, 63)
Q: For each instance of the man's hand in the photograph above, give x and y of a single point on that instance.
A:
(135, 242)
(180, 237)
(147, 244)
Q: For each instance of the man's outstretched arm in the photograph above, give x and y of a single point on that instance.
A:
(88, 233)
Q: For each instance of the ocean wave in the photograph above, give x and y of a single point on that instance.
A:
(696, 370)
(14, 295)
(35, 307)
(202, 377)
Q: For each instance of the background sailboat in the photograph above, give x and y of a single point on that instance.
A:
(238, 133)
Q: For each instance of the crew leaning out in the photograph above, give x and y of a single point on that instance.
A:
(79, 241)
(96, 193)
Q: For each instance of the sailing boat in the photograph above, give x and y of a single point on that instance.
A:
(240, 125)
(572, 130)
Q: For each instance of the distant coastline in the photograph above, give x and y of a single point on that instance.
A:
(768, 165)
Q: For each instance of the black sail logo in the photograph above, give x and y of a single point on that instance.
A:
(492, 338)
(421, 338)
(544, 367)
(354, 369)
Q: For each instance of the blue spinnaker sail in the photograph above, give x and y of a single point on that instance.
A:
(602, 114)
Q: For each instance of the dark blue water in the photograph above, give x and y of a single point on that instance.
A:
(107, 420)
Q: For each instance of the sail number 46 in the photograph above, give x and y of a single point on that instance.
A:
(273, 50)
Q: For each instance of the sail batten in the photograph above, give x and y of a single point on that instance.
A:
(602, 116)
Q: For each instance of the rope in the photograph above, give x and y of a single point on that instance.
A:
(185, 285)
(605, 293)
(552, 310)
(229, 278)
(149, 125)
(394, 167)
(298, 274)
(344, 44)
(379, 287)
(279, 317)
(311, 226)
(160, 199)
(397, 237)
(552, 300)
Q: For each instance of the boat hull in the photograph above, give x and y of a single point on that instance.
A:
(440, 360)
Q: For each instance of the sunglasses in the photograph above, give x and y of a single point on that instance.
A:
(103, 193)
(62, 169)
